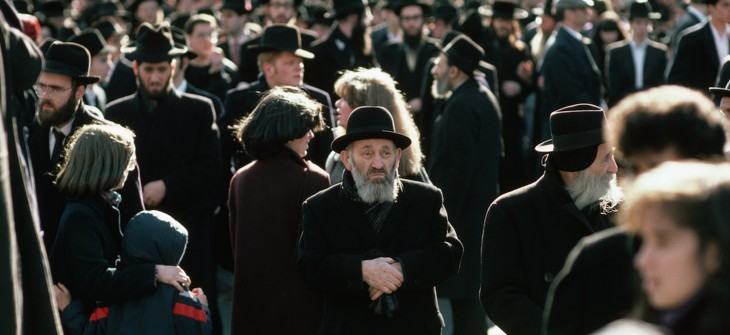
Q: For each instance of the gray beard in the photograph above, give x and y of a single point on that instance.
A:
(587, 189)
(440, 89)
(375, 192)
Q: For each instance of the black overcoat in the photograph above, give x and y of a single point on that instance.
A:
(527, 237)
(695, 63)
(393, 61)
(337, 236)
(464, 164)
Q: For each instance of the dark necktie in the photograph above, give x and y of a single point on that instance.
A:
(57, 147)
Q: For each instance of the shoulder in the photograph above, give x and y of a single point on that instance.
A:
(416, 189)
(120, 103)
(521, 195)
(315, 93)
(695, 31)
(324, 198)
(620, 45)
(658, 46)
(317, 171)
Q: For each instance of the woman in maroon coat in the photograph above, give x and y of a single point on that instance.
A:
(265, 201)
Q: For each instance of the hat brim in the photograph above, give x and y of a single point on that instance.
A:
(133, 53)
(720, 92)
(82, 80)
(341, 143)
(548, 146)
(299, 52)
(518, 14)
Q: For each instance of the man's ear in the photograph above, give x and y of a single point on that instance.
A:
(134, 68)
(398, 153)
(345, 158)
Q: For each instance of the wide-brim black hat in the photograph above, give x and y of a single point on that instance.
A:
(178, 36)
(69, 59)
(108, 27)
(463, 53)
(153, 45)
(238, 6)
(574, 127)
(642, 9)
(368, 122)
(721, 92)
(341, 8)
(398, 5)
(503, 10)
(52, 8)
(282, 37)
(93, 41)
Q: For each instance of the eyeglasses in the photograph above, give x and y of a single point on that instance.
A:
(41, 89)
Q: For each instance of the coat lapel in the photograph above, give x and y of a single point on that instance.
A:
(356, 218)
(396, 216)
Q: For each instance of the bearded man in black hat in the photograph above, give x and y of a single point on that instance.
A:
(530, 231)
(177, 146)
(375, 245)
(465, 152)
(60, 112)
(407, 59)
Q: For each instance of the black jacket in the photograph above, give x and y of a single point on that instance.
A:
(695, 63)
(527, 237)
(337, 236)
(621, 72)
(392, 60)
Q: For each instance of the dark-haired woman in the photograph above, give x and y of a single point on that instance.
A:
(265, 201)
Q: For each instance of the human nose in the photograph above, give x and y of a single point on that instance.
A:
(612, 166)
(378, 162)
(643, 258)
(310, 134)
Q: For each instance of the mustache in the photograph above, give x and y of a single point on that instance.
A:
(374, 170)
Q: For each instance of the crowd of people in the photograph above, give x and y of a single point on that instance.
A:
(365, 167)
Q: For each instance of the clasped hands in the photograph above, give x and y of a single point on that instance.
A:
(384, 275)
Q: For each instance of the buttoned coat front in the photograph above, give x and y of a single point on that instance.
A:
(337, 236)
(528, 234)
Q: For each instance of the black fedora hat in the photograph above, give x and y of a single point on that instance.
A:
(27, 60)
(574, 127)
(398, 5)
(642, 9)
(464, 53)
(282, 37)
(446, 12)
(237, 6)
(178, 36)
(52, 8)
(69, 59)
(108, 27)
(340, 8)
(93, 41)
(507, 10)
(370, 122)
(153, 45)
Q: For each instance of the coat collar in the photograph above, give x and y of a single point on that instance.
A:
(555, 187)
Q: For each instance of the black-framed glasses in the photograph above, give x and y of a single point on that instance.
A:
(50, 90)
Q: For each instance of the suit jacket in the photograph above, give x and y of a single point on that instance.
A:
(337, 236)
(695, 63)
(528, 234)
(621, 72)
(269, 289)
(571, 74)
(51, 202)
(217, 104)
(242, 100)
(464, 164)
(393, 61)
(597, 285)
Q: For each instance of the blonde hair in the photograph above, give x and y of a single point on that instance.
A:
(97, 159)
(373, 87)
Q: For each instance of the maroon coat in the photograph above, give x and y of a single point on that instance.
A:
(265, 201)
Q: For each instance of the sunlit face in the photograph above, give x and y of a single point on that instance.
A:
(440, 71)
(280, 11)
(285, 70)
(580, 16)
(374, 158)
(300, 145)
(640, 27)
(101, 66)
(154, 78)
(605, 163)
(438, 28)
(411, 20)
(720, 11)
(648, 159)
(203, 39)
(231, 22)
(147, 12)
(672, 267)
(343, 112)
(57, 100)
(725, 106)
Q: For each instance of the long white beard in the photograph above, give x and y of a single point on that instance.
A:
(587, 188)
(375, 192)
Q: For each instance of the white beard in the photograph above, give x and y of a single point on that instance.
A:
(586, 189)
